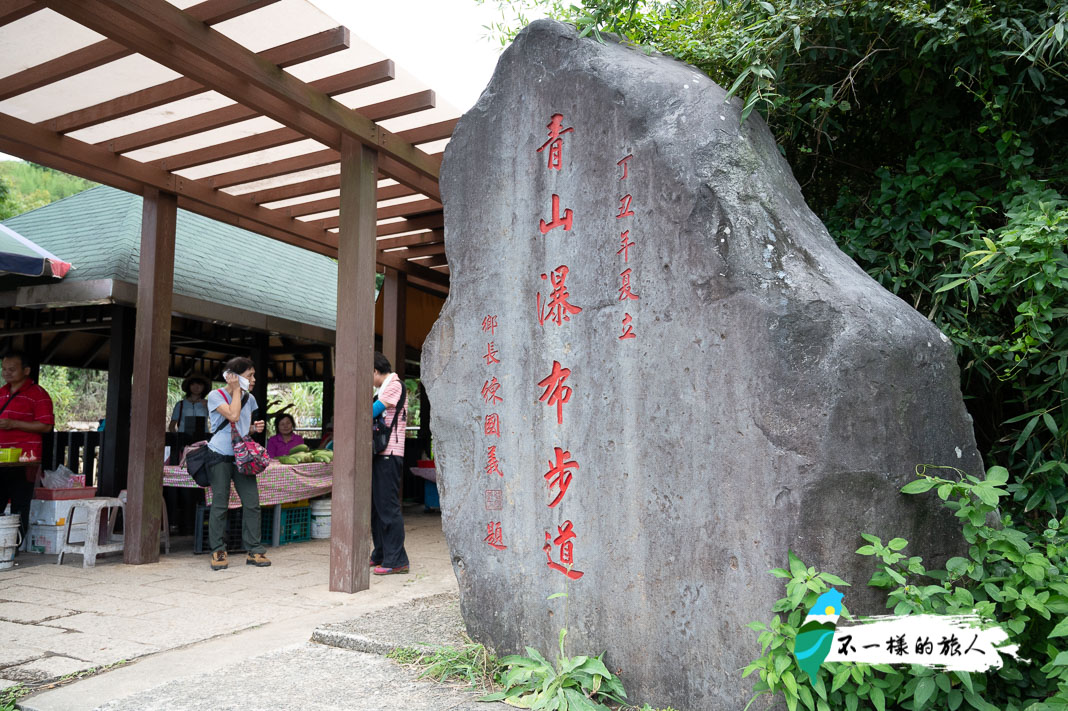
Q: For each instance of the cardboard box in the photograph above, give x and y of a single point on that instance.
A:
(47, 539)
(54, 513)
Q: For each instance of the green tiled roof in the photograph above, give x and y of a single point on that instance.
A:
(99, 232)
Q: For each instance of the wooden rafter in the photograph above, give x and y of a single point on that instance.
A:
(284, 55)
(28, 141)
(392, 108)
(187, 45)
(348, 81)
(82, 60)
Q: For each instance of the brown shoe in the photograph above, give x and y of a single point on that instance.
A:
(257, 559)
(219, 560)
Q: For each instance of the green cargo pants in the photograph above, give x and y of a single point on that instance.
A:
(221, 474)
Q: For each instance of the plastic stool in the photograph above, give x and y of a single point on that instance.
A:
(92, 546)
(165, 526)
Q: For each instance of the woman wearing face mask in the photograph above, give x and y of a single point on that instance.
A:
(228, 405)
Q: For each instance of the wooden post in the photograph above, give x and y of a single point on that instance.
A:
(152, 337)
(394, 344)
(261, 356)
(327, 413)
(350, 540)
(31, 346)
(115, 449)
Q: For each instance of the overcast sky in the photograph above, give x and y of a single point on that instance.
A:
(443, 43)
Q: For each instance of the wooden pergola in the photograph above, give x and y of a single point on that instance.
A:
(217, 107)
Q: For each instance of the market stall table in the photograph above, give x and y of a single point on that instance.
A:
(278, 484)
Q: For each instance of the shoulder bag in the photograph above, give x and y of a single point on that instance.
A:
(380, 432)
(198, 457)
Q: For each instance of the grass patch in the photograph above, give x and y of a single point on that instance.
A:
(470, 664)
(11, 695)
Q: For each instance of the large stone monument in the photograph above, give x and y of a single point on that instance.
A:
(655, 374)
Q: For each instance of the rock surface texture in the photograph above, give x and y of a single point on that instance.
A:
(773, 397)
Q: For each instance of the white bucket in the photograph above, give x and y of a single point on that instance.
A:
(9, 540)
(320, 518)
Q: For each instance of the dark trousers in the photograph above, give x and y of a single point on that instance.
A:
(15, 488)
(387, 523)
(221, 474)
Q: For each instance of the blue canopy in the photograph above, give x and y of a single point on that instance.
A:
(19, 255)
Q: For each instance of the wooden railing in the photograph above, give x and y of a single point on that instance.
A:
(78, 451)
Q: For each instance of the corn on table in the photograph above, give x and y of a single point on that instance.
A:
(278, 484)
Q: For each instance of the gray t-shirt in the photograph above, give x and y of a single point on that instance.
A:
(221, 443)
(185, 412)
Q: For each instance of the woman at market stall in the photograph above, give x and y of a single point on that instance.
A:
(232, 406)
(285, 439)
(193, 405)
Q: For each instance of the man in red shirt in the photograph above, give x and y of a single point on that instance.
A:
(25, 414)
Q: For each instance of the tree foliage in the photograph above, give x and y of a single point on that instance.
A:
(28, 186)
(930, 137)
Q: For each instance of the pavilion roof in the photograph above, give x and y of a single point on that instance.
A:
(237, 106)
(99, 231)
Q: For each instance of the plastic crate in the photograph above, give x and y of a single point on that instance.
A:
(296, 525)
(303, 503)
(232, 535)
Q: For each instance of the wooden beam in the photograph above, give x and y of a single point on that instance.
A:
(284, 55)
(380, 111)
(430, 222)
(413, 269)
(12, 10)
(425, 251)
(350, 544)
(404, 209)
(24, 139)
(318, 185)
(412, 240)
(437, 260)
(394, 300)
(355, 79)
(152, 337)
(115, 447)
(316, 159)
(95, 55)
(414, 207)
(430, 132)
(179, 41)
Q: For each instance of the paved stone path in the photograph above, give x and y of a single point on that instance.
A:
(181, 624)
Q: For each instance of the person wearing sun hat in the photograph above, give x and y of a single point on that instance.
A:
(193, 405)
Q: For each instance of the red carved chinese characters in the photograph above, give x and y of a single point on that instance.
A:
(624, 245)
(567, 551)
(624, 289)
(491, 353)
(489, 391)
(492, 465)
(494, 536)
(626, 293)
(492, 425)
(559, 474)
(559, 309)
(555, 144)
(489, 324)
(557, 221)
(556, 393)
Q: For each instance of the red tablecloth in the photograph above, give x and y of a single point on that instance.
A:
(279, 483)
